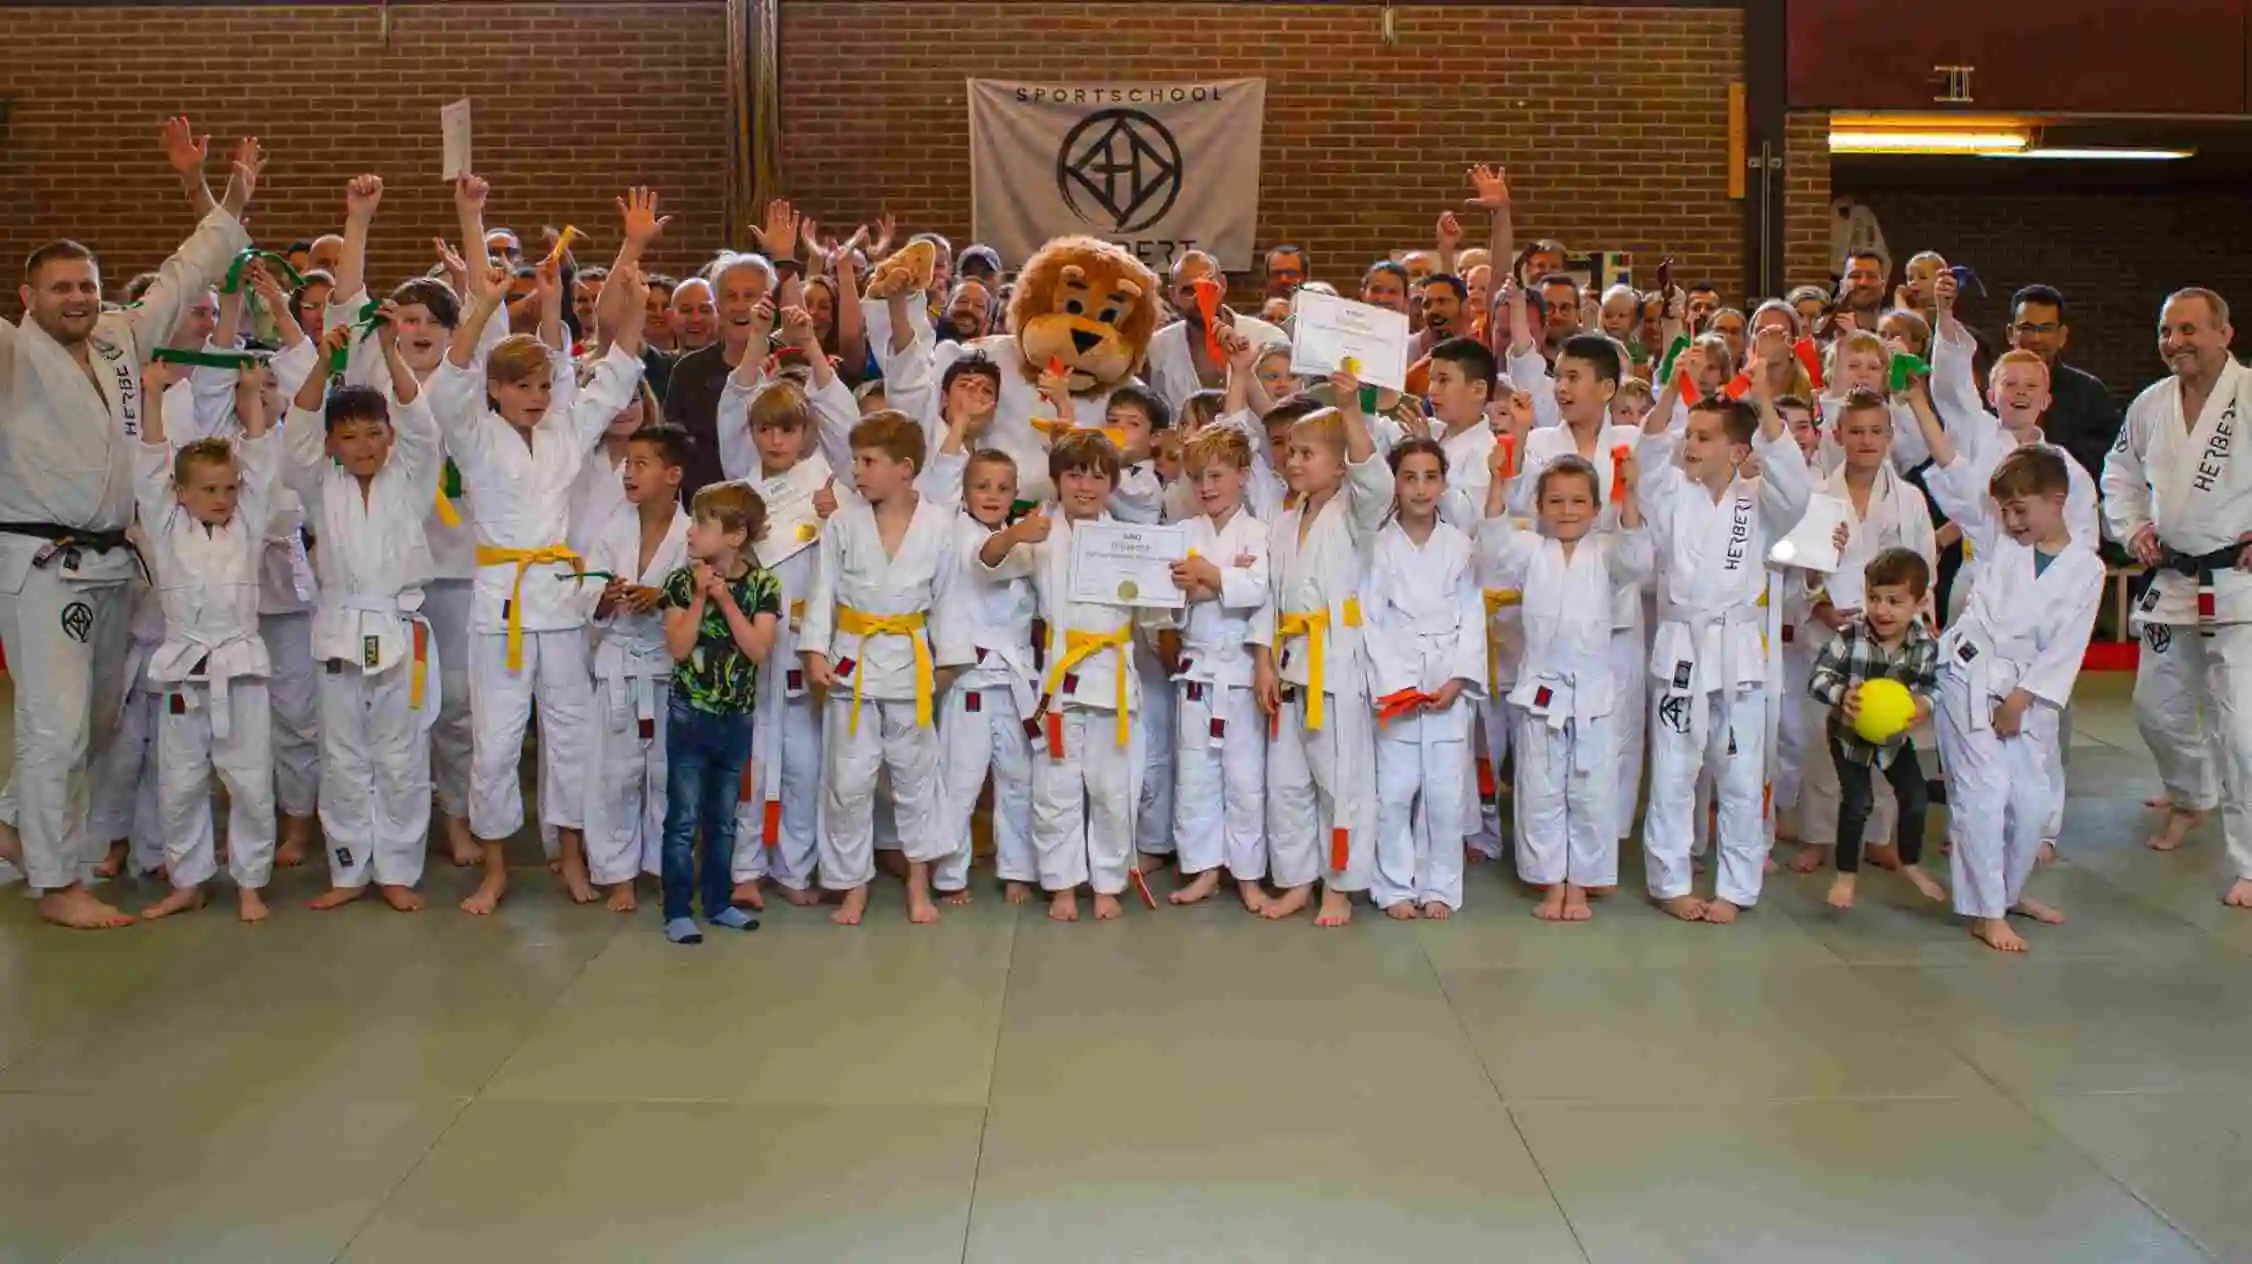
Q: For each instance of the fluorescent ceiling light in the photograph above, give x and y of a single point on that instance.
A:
(1928, 142)
(2069, 153)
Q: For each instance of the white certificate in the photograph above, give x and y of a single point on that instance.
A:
(1123, 564)
(1326, 329)
(791, 524)
(1812, 544)
(453, 125)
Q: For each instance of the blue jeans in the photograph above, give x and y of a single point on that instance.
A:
(704, 758)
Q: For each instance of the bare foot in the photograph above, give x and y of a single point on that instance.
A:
(402, 899)
(460, 843)
(955, 898)
(250, 906)
(1336, 908)
(1575, 904)
(1404, 911)
(1016, 892)
(1435, 911)
(622, 898)
(1551, 906)
(76, 908)
(1720, 912)
(179, 900)
(1882, 855)
(1921, 879)
(855, 903)
(1995, 933)
(112, 863)
(296, 836)
(1287, 904)
(1198, 889)
(11, 845)
(2046, 914)
(2174, 830)
(1063, 906)
(1767, 864)
(573, 861)
(796, 898)
(920, 910)
(1107, 907)
(1253, 895)
(1686, 907)
(1472, 856)
(2239, 894)
(492, 886)
(2048, 853)
(1809, 858)
(335, 897)
(1841, 891)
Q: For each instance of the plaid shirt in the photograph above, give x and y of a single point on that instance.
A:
(1855, 655)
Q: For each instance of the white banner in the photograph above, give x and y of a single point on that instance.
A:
(1156, 167)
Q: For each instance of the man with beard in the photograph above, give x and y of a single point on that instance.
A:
(692, 400)
(71, 406)
(1862, 293)
(1286, 270)
(968, 315)
(1560, 296)
(1180, 361)
(2082, 419)
(1444, 305)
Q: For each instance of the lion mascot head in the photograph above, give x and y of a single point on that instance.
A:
(1087, 303)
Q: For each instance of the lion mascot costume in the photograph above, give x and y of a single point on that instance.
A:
(1080, 301)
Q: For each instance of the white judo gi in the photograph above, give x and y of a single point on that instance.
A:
(2193, 686)
(379, 685)
(1172, 362)
(1426, 626)
(625, 808)
(1321, 783)
(1564, 697)
(125, 784)
(982, 726)
(782, 811)
(1219, 769)
(68, 441)
(212, 665)
(2025, 628)
(1708, 660)
(528, 637)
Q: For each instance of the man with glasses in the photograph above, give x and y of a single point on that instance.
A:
(2083, 418)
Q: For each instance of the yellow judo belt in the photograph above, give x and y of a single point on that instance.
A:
(863, 625)
(1078, 647)
(522, 560)
(1314, 626)
(1497, 600)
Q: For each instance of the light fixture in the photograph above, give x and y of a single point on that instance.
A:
(2097, 154)
(1927, 142)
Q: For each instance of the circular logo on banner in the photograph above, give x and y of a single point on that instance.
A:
(1126, 163)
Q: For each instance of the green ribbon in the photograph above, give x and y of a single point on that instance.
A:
(233, 283)
(604, 576)
(1368, 399)
(1665, 367)
(450, 482)
(237, 360)
(1905, 366)
(366, 324)
(1019, 508)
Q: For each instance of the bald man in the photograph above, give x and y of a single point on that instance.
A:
(1180, 364)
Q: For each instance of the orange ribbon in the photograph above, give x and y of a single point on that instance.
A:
(1619, 456)
(1392, 706)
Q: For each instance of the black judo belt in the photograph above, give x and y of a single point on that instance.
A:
(2200, 567)
(70, 544)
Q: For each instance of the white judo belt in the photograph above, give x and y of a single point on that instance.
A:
(630, 673)
(1677, 703)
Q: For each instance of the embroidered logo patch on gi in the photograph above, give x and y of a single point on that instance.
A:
(2158, 637)
(844, 667)
(1543, 696)
(973, 702)
(2149, 601)
(1965, 652)
(344, 857)
(78, 621)
(1673, 712)
(1684, 672)
(371, 651)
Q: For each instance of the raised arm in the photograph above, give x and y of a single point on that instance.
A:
(615, 306)
(1490, 187)
(361, 196)
(1785, 486)
(201, 259)
(152, 458)
(305, 429)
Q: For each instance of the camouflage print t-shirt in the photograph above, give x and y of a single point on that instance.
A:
(716, 677)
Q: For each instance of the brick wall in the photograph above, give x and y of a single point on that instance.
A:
(572, 103)
(2115, 256)
(1806, 198)
(1612, 122)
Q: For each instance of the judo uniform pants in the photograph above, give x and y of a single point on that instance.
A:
(446, 604)
(1497, 726)
(1219, 781)
(1153, 819)
(1084, 801)
(375, 776)
(980, 731)
(1566, 831)
(1321, 792)
(188, 752)
(625, 806)
(788, 730)
(1733, 752)
(557, 674)
(1998, 797)
(2193, 703)
(1630, 670)
(1422, 817)
(887, 739)
(66, 646)
(125, 787)
(297, 709)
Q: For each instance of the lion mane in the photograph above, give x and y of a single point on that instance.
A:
(1087, 303)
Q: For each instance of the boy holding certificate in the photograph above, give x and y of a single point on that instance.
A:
(1087, 768)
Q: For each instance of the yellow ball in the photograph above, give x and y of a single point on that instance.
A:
(1886, 710)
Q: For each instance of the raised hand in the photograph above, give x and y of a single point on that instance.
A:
(470, 192)
(887, 227)
(361, 196)
(386, 326)
(809, 236)
(490, 284)
(1243, 354)
(762, 324)
(1943, 292)
(778, 236)
(1033, 528)
(184, 151)
(639, 210)
(1490, 189)
(457, 268)
(798, 331)
(825, 499)
(248, 163)
(1449, 231)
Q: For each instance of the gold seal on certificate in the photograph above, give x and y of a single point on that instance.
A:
(1128, 590)
(1127, 564)
(808, 533)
